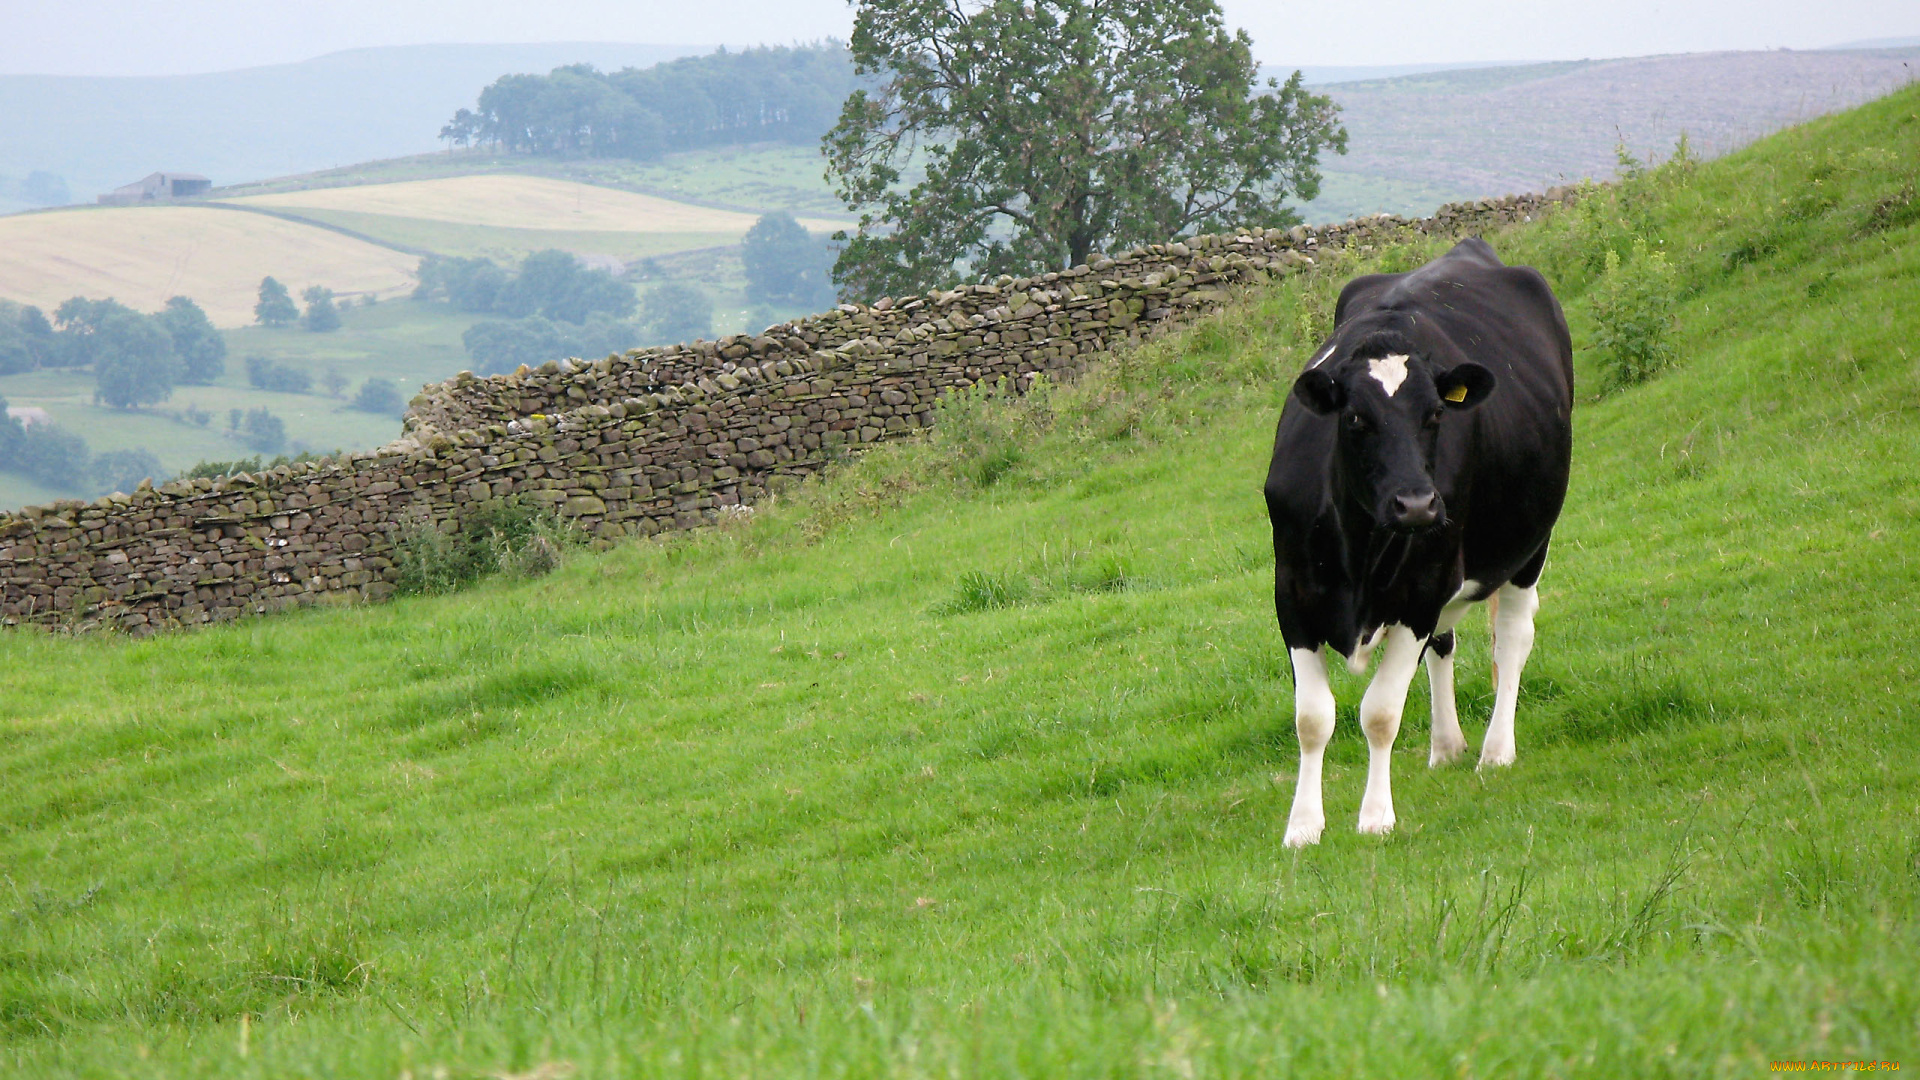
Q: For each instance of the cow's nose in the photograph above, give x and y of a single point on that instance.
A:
(1412, 509)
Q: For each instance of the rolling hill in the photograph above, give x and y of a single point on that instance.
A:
(749, 178)
(345, 107)
(506, 216)
(1424, 139)
(361, 233)
(526, 202)
(143, 255)
(932, 769)
(359, 240)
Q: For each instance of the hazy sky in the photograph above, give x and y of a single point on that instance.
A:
(113, 37)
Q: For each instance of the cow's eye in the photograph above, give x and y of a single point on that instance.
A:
(1433, 418)
(1356, 422)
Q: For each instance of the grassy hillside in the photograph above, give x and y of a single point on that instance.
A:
(527, 202)
(975, 760)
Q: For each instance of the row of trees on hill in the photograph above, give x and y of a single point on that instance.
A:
(726, 98)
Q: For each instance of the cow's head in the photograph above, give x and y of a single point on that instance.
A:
(1388, 407)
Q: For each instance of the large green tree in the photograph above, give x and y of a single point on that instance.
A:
(122, 470)
(275, 306)
(135, 364)
(784, 263)
(676, 312)
(757, 95)
(200, 348)
(321, 315)
(1047, 130)
(555, 285)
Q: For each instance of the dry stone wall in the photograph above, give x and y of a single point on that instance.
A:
(657, 439)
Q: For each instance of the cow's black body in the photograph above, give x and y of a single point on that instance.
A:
(1498, 464)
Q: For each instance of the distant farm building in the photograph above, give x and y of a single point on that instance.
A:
(159, 187)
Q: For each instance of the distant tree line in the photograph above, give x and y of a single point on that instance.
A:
(551, 284)
(49, 454)
(275, 307)
(137, 359)
(557, 307)
(775, 94)
(40, 188)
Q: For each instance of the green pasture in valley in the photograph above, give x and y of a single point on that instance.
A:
(974, 760)
(404, 342)
(508, 246)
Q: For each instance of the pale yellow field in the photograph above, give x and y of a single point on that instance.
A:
(141, 255)
(522, 202)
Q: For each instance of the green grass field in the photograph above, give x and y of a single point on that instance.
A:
(508, 246)
(910, 777)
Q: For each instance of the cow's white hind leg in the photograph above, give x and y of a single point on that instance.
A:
(1448, 743)
(1313, 720)
(1380, 711)
(1512, 641)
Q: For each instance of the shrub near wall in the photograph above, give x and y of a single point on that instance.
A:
(657, 439)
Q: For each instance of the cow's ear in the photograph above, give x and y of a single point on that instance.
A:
(1320, 391)
(1465, 386)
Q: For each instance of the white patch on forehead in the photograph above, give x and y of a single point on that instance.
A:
(1391, 371)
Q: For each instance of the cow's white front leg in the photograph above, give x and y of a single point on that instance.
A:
(1448, 743)
(1380, 712)
(1313, 720)
(1512, 641)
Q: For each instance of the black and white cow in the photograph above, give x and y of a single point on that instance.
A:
(1419, 466)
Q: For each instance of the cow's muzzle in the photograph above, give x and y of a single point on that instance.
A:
(1415, 509)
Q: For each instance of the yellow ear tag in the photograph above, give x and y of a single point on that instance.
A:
(1458, 394)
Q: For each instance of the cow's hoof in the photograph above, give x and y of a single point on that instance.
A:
(1376, 823)
(1496, 757)
(1304, 833)
(1445, 753)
